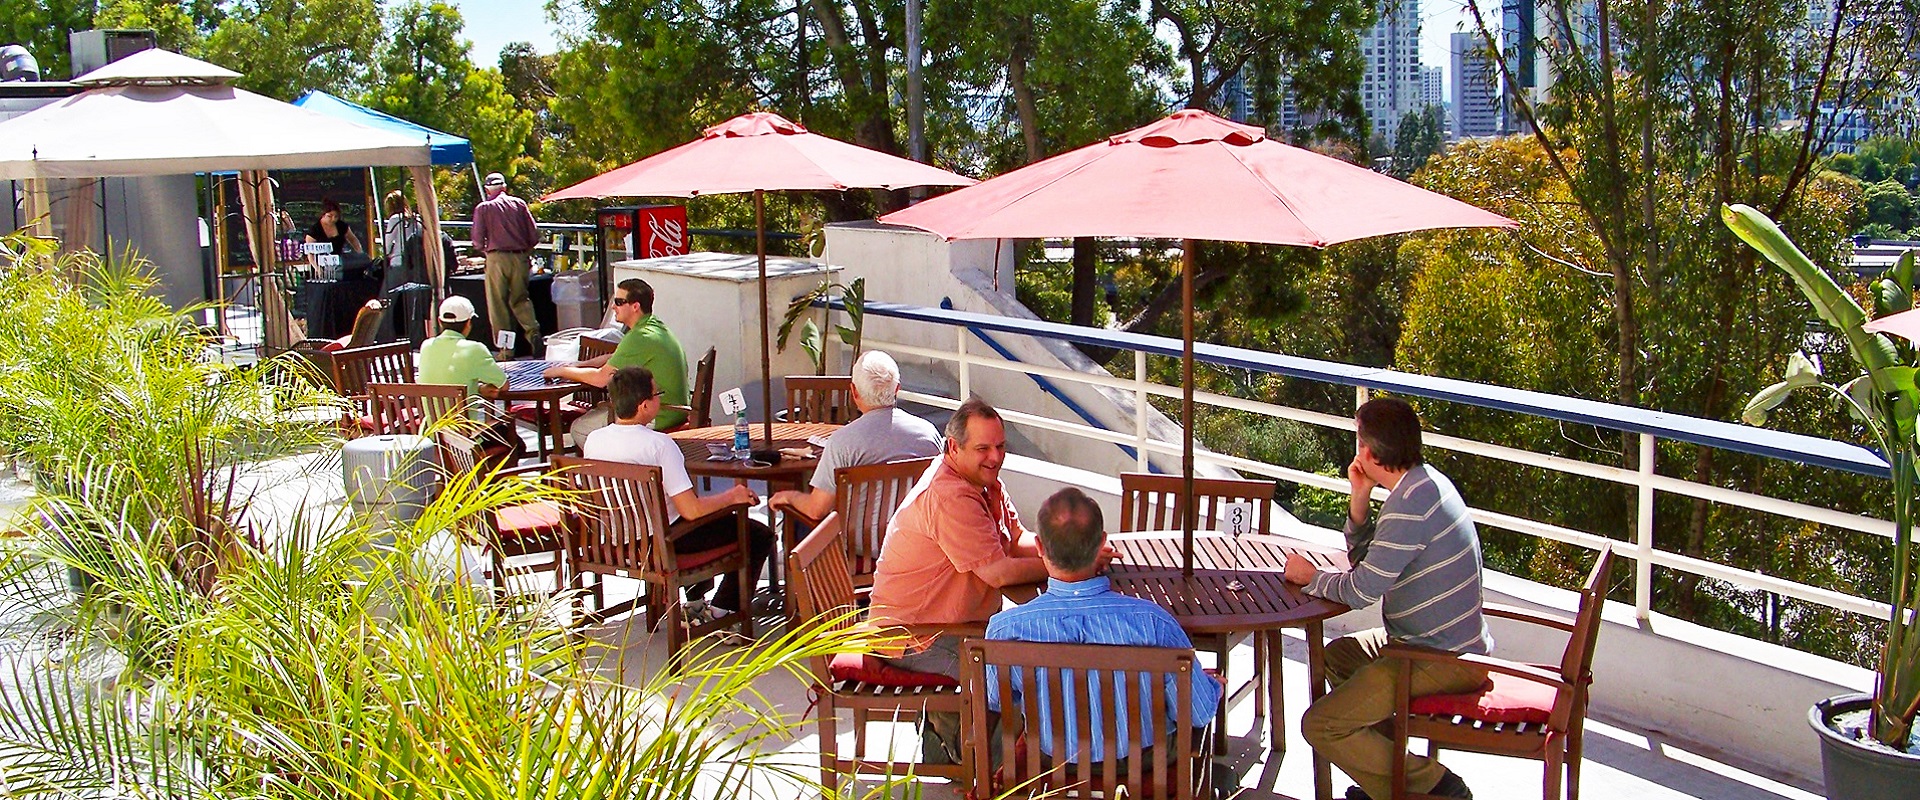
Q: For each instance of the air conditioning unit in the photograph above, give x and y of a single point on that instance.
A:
(91, 50)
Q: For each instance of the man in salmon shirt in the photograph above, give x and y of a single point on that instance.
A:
(954, 543)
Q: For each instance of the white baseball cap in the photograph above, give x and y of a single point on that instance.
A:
(496, 179)
(456, 309)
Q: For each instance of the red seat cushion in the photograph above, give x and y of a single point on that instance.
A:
(701, 558)
(531, 519)
(1508, 699)
(335, 345)
(866, 668)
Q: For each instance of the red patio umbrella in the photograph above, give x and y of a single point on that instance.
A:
(760, 152)
(1193, 176)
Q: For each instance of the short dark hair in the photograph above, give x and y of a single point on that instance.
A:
(641, 292)
(1390, 428)
(627, 389)
(957, 424)
(1071, 529)
(328, 204)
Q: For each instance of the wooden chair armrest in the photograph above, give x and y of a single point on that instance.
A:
(1489, 663)
(685, 525)
(797, 514)
(1529, 617)
(529, 469)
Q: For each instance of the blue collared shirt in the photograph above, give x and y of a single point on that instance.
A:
(1090, 612)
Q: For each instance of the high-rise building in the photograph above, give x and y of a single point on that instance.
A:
(1433, 93)
(1391, 85)
(1476, 105)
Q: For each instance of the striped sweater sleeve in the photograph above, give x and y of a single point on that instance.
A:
(1398, 537)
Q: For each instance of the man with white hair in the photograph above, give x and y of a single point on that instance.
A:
(882, 433)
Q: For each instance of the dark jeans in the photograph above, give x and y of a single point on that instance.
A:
(720, 533)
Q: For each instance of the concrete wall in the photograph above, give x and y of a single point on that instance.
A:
(912, 267)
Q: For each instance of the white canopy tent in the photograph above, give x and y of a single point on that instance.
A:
(161, 113)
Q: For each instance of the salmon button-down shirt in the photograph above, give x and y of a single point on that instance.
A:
(945, 531)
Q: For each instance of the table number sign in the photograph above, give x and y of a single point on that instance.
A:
(732, 401)
(503, 340)
(1237, 519)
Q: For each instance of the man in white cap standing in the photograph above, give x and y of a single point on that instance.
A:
(450, 359)
(504, 231)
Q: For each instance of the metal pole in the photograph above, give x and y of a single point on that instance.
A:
(916, 99)
(1189, 514)
(766, 357)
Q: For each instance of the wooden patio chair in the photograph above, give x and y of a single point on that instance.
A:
(1535, 711)
(699, 407)
(859, 683)
(820, 398)
(354, 369)
(866, 498)
(1152, 503)
(511, 532)
(1172, 765)
(414, 407)
(619, 527)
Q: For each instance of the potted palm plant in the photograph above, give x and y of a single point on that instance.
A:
(1866, 741)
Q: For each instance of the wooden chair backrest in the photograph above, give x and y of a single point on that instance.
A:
(1152, 502)
(619, 517)
(820, 398)
(1576, 665)
(354, 369)
(595, 347)
(1161, 766)
(822, 584)
(459, 453)
(866, 498)
(700, 397)
(414, 407)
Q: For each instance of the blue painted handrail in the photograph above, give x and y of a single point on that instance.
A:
(1810, 450)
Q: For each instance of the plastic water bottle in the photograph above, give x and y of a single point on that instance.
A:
(742, 437)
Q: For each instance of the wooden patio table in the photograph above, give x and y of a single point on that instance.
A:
(789, 473)
(1238, 586)
(524, 382)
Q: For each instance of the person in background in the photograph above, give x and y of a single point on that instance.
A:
(331, 229)
(400, 225)
(504, 232)
(882, 433)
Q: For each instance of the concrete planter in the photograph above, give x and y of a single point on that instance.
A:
(1855, 771)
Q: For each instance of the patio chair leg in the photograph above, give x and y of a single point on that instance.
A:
(829, 749)
(1551, 780)
(860, 737)
(1226, 690)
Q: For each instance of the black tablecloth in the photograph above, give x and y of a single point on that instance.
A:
(474, 288)
(331, 305)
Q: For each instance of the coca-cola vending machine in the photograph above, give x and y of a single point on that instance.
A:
(631, 232)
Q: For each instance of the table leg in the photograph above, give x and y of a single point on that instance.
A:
(556, 425)
(1316, 687)
(1276, 694)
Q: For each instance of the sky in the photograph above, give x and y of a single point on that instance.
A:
(491, 24)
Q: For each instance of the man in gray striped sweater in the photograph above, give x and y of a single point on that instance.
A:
(1421, 560)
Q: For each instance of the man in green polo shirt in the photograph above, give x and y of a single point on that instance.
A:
(647, 344)
(452, 359)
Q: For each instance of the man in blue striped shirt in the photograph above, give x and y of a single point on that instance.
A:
(1421, 561)
(1079, 607)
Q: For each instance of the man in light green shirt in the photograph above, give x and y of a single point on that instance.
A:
(647, 344)
(452, 359)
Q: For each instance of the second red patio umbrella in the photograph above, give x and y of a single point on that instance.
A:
(1193, 176)
(760, 152)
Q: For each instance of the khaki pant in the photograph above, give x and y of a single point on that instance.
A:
(1340, 726)
(507, 295)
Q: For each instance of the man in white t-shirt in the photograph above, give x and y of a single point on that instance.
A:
(635, 402)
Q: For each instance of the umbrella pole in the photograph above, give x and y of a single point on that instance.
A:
(766, 357)
(1188, 511)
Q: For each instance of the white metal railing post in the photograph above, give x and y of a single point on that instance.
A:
(960, 346)
(1643, 533)
(1140, 407)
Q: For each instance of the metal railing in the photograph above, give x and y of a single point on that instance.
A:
(1650, 427)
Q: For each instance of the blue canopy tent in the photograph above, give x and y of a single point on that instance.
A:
(445, 148)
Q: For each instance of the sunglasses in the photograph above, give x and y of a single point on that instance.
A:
(623, 302)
